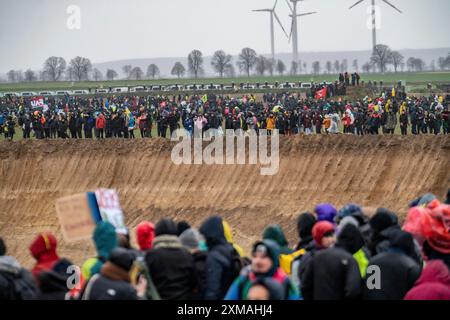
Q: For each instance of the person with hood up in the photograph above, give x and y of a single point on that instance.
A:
(356, 212)
(323, 234)
(287, 255)
(265, 265)
(333, 274)
(325, 212)
(105, 240)
(220, 263)
(170, 265)
(305, 224)
(145, 234)
(53, 283)
(193, 241)
(433, 283)
(385, 227)
(43, 249)
(16, 283)
(114, 282)
(397, 270)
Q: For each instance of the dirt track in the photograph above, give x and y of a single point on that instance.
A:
(372, 171)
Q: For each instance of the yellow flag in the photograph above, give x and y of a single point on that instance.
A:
(393, 92)
(205, 98)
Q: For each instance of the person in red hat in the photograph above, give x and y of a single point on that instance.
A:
(145, 233)
(43, 249)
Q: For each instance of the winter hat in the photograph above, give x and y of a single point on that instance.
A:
(305, 223)
(105, 238)
(44, 244)
(182, 226)
(353, 210)
(166, 226)
(275, 232)
(382, 220)
(145, 233)
(272, 250)
(191, 238)
(2, 247)
(325, 212)
(350, 238)
(320, 229)
(404, 241)
(122, 258)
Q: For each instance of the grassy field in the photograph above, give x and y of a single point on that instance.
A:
(388, 78)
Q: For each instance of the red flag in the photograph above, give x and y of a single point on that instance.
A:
(321, 94)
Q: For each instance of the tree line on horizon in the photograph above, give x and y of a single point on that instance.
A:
(248, 63)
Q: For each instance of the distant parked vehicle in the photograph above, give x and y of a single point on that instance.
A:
(248, 86)
(138, 89)
(228, 87)
(119, 90)
(157, 88)
(28, 94)
(306, 86)
(101, 91)
(80, 91)
(287, 85)
(46, 93)
(63, 92)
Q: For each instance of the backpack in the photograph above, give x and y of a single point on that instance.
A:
(237, 263)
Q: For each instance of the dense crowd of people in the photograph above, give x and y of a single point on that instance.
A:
(77, 117)
(345, 254)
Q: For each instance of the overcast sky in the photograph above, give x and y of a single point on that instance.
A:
(32, 30)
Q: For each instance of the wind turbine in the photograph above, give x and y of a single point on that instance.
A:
(294, 28)
(272, 32)
(374, 30)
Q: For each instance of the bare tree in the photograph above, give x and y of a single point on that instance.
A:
(97, 75)
(11, 76)
(262, 63)
(355, 65)
(19, 75)
(402, 66)
(329, 67)
(433, 65)
(178, 70)
(136, 73)
(397, 59)
(271, 65)
(281, 67)
(300, 69)
(367, 67)
(54, 68)
(316, 67)
(294, 68)
(30, 75)
(111, 74)
(195, 63)
(221, 61)
(80, 67)
(415, 64)
(305, 67)
(337, 66)
(229, 71)
(247, 60)
(344, 66)
(127, 70)
(381, 56)
(152, 71)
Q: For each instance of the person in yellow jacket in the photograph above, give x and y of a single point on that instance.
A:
(270, 124)
(229, 237)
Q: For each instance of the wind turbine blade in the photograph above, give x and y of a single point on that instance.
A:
(281, 25)
(275, 5)
(262, 10)
(306, 14)
(292, 29)
(356, 3)
(385, 1)
(289, 5)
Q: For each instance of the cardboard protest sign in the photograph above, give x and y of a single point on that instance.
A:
(110, 210)
(77, 216)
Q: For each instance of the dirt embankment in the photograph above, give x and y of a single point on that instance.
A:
(372, 171)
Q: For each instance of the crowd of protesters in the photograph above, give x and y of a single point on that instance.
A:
(336, 257)
(77, 117)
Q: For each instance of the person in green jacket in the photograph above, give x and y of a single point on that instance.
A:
(105, 240)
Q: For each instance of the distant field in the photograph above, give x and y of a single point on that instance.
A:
(388, 78)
